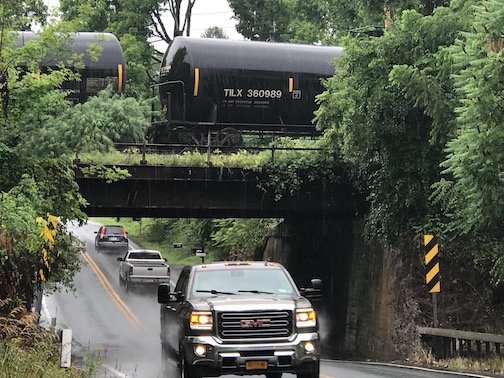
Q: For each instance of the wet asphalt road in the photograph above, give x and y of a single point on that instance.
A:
(119, 331)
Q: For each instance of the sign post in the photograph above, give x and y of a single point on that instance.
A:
(432, 277)
(198, 251)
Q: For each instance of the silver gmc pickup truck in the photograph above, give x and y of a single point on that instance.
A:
(243, 318)
(142, 267)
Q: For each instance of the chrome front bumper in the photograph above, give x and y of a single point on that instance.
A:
(223, 357)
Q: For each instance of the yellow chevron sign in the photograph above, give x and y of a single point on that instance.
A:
(432, 278)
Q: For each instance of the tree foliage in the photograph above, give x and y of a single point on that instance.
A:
(389, 110)
(39, 132)
(239, 238)
(474, 165)
(318, 20)
(22, 15)
(214, 32)
(31, 252)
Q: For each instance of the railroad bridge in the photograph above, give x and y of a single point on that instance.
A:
(209, 192)
(319, 236)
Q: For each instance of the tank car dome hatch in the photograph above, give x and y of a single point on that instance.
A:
(244, 85)
(107, 69)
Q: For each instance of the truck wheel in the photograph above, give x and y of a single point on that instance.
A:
(126, 285)
(121, 281)
(188, 371)
(314, 373)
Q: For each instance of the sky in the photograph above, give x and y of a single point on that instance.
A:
(208, 13)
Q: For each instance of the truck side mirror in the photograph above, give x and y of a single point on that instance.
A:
(163, 293)
(166, 296)
(120, 259)
(316, 283)
(314, 293)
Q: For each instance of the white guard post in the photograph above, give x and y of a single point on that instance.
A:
(66, 348)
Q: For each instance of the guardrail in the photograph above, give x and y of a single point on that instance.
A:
(449, 342)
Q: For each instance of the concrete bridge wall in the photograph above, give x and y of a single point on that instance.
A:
(362, 301)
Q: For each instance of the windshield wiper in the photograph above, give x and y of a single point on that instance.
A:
(255, 291)
(215, 292)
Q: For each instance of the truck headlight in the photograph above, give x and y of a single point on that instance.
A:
(200, 350)
(201, 320)
(306, 317)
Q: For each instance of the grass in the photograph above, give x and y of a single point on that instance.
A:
(135, 232)
(41, 361)
(240, 159)
(27, 350)
(284, 149)
(493, 365)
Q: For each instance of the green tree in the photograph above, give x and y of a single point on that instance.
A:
(214, 32)
(389, 111)
(22, 15)
(475, 157)
(262, 21)
(39, 133)
(94, 15)
(95, 125)
(30, 252)
(239, 238)
(309, 21)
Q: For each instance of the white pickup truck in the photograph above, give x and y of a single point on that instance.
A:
(143, 267)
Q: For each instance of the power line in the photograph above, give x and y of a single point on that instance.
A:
(210, 13)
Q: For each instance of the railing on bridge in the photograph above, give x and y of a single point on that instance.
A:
(150, 148)
(449, 342)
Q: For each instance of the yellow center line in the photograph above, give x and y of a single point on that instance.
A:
(111, 292)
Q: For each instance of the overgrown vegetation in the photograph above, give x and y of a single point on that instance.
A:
(493, 365)
(255, 155)
(28, 350)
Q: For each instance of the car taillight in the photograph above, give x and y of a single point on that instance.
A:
(168, 270)
(131, 271)
(103, 232)
(124, 233)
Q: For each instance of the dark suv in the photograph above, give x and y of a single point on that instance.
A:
(111, 236)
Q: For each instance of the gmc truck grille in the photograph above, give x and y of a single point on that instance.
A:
(254, 324)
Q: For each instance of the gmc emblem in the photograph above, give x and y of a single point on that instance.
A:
(258, 323)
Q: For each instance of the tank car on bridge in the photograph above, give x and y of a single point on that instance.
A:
(95, 75)
(229, 87)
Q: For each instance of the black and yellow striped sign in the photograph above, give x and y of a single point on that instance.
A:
(432, 278)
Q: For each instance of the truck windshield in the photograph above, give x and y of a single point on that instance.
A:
(241, 281)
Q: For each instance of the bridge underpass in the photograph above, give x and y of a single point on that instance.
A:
(317, 238)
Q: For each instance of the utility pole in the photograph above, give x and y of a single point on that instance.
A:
(388, 17)
(273, 32)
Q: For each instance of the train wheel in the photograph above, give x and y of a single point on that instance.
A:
(184, 136)
(229, 137)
